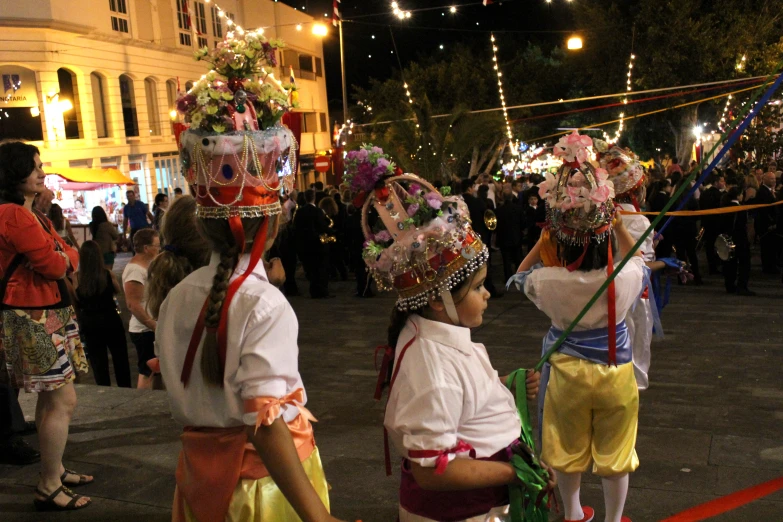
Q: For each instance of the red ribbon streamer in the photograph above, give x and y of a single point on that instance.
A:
(195, 340)
(727, 503)
(610, 296)
(443, 455)
(379, 389)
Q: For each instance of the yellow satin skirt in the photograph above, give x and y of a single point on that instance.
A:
(590, 413)
(262, 501)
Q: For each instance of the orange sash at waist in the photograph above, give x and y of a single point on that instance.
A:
(214, 460)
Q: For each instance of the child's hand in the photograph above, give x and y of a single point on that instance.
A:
(552, 480)
(532, 382)
(275, 271)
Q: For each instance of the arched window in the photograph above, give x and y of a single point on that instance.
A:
(153, 110)
(99, 104)
(171, 94)
(128, 98)
(69, 104)
(188, 85)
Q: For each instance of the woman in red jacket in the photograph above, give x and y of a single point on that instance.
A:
(39, 339)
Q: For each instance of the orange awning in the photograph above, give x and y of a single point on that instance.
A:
(109, 176)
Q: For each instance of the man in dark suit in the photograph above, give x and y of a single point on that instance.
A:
(657, 201)
(319, 191)
(477, 208)
(736, 271)
(511, 226)
(310, 224)
(710, 199)
(765, 224)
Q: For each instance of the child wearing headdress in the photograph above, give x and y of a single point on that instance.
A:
(449, 414)
(628, 178)
(589, 395)
(227, 337)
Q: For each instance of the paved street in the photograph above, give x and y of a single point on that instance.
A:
(710, 424)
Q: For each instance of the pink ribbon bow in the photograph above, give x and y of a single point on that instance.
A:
(268, 408)
(443, 455)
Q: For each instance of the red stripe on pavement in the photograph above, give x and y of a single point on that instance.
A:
(727, 503)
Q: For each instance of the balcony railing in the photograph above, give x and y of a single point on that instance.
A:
(298, 73)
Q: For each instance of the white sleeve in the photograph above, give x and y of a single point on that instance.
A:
(628, 284)
(428, 420)
(268, 364)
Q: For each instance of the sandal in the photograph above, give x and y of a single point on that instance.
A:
(50, 505)
(82, 480)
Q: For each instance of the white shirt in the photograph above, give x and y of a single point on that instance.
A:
(261, 356)
(138, 274)
(447, 391)
(637, 224)
(561, 294)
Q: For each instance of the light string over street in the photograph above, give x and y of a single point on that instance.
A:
(598, 97)
(628, 89)
(496, 66)
(725, 113)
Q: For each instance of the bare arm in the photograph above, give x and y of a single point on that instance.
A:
(134, 294)
(69, 231)
(532, 258)
(624, 238)
(115, 283)
(464, 474)
(276, 448)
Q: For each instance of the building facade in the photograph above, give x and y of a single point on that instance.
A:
(93, 83)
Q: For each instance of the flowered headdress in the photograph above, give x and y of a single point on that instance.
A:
(579, 196)
(625, 171)
(422, 244)
(236, 155)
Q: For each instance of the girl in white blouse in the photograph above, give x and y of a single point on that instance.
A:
(449, 415)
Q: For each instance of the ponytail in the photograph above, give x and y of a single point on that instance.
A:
(165, 272)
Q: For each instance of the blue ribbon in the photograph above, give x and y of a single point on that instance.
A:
(519, 278)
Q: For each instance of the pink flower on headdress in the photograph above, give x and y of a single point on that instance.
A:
(573, 147)
(414, 189)
(577, 197)
(382, 236)
(545, 186)
(382, 163)
(412, 209)
(604, 190)
(362, 155)
(433, 200)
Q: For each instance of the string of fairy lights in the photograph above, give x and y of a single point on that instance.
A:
(725, 113)
(628, 88)
(500, 84)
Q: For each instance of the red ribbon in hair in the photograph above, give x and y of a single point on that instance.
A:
(610, 296)
(238, 231)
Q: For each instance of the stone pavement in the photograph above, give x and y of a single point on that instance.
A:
(710, 424)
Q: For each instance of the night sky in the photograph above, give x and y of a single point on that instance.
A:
(425, 32)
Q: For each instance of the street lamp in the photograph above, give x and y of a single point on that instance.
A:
(574, 43)
(697, 131)
(320, 30)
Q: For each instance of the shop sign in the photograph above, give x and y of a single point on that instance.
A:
(17, 87)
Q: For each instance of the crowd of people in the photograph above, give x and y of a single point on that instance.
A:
(60, 315)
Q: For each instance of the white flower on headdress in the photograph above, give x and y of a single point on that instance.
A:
(546, 187)
(573, 147)
(604, 189)
(578, 196)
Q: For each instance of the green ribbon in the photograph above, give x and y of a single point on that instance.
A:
(525, 504)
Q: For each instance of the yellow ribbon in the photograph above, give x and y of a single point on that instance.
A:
(708, 212)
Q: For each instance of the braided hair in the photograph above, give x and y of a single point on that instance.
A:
(218, 234)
